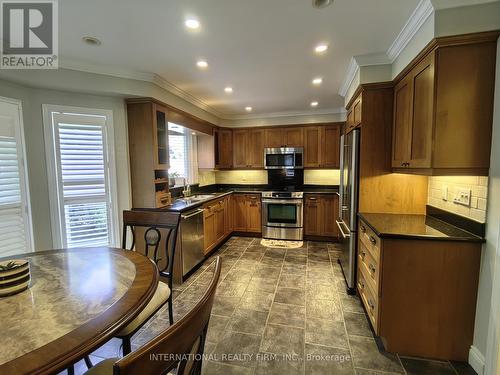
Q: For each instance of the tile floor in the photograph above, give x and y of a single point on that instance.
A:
(283, 311)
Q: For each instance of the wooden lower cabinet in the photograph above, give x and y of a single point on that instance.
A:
(247, 213)
(420, 295)
(320, 213)
(209, 229)
(217, 218)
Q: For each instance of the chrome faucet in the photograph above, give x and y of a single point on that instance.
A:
(187, 189)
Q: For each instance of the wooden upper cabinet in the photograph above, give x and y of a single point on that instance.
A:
(294, 137)
(330, 150)
(224, 148)
(160, 134)
(240, 139)
(312, 146)
(274, 137)
(443, 108)
(354, 114)
(422, 113)
(401, 125)
(255, 148)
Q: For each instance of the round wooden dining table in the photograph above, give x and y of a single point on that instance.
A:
(77, 300)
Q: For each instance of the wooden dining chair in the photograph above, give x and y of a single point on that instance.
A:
(180, 346)
(154, 233)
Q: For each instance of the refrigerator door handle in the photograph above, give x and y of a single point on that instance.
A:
(340, 224)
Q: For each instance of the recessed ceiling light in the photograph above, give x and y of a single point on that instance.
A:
(202, 64)
(192, 23)
(248, 109)
(320, 48)
(228, 90)
(193, 133)
(317, 81)
(90, 40)
(314, 104)
(321, 3)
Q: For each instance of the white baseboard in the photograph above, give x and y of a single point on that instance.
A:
(476, 360)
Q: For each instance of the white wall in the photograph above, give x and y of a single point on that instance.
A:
(488, 302)
(32, 100)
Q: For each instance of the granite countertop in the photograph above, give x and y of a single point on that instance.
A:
(415, 227)
(186, 204)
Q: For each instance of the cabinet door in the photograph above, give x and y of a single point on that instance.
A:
(240, 138)
(294, 137)
(208, 229)
(401, 125)
(239, 213)
(330, 213)
(312, 215)
(225, 148)
(350, 121)
(356, 110)
(255, 148)
(330, 155)
(275, 137)
(219, 222)
(160, 136)
(422, 114)
(254, 213)
(312, 146)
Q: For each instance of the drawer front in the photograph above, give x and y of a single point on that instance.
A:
(370, 240)
(370, 301)
(370, 267)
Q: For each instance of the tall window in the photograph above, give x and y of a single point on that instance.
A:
(15, 217)
(182, 143)
(81, 174)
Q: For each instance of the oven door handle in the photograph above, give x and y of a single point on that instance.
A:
(298, 202)
(340, 224)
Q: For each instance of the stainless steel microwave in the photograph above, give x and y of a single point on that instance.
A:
(284, 158)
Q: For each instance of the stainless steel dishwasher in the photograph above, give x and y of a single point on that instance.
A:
(192, 238)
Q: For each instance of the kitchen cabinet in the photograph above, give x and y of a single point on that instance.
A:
(419, 294)
(354, 114)
(284, 137)
(228, 217)
(247, 213)
(320, 213)
(223, 144)
(322, 146)
(248, 148)
(441, 127)
(209, 229)
(148, 150)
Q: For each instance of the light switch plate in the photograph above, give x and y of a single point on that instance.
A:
(463, 197)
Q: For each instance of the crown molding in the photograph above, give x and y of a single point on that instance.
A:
(115, 71)
(352, 70)
(423, 11)
(273, 115)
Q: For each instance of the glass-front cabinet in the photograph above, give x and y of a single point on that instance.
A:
(161, 137)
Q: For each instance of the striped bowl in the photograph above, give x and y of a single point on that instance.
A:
(15, 279)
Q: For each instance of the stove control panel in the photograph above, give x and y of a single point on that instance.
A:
(282, 194)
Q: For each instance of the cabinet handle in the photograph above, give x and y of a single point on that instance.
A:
(363, 229)
(361, 285)
(313, 199)
(408, 164)
(363, 255)
(372, 268)
(372, 240)
(403, 164)
(371, 304)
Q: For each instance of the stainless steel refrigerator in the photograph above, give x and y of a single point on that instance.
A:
(347, 220)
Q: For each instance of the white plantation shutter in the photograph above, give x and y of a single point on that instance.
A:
(15, 224)
(82, 169)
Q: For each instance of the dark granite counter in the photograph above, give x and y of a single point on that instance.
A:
(213, 192)
(416, 227)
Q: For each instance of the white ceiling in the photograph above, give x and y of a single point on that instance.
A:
(262, 48)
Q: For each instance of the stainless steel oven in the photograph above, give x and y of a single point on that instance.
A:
(283, 215)
(284, 158)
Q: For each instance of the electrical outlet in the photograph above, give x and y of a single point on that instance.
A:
(463, 197)
(444, 193)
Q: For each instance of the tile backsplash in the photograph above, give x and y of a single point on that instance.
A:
(478, 185)
(259, 177)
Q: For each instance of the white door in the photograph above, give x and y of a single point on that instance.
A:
(15, 220)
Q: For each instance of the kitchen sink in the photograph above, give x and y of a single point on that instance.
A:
(197, 198)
